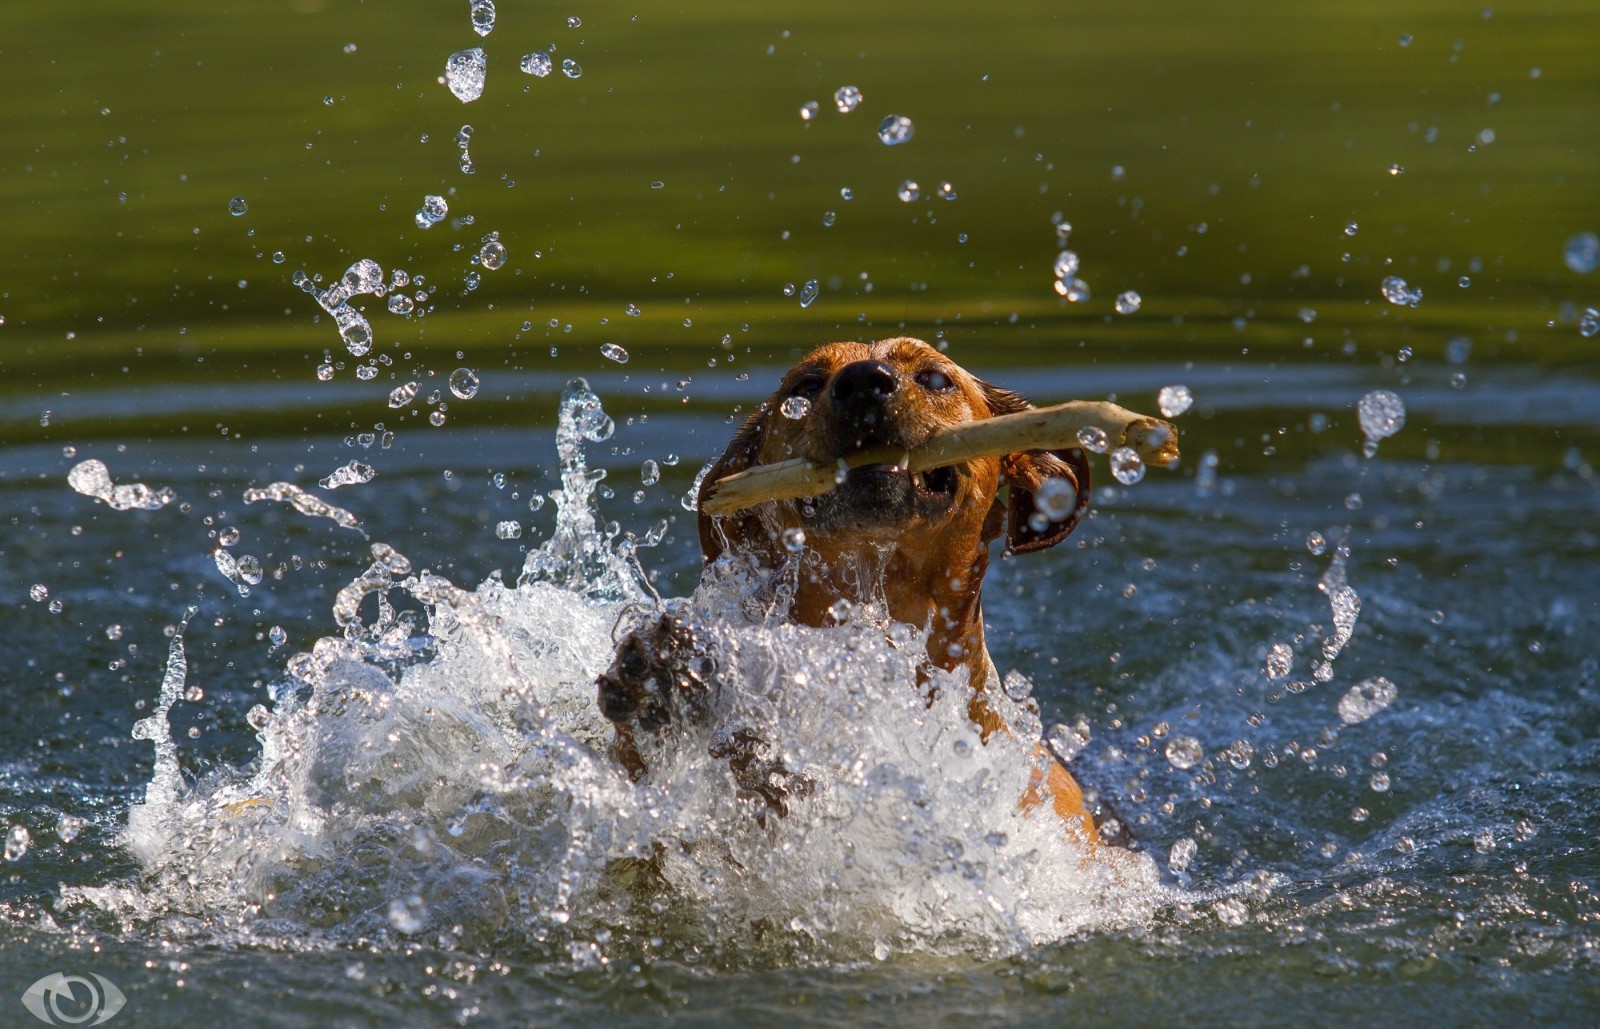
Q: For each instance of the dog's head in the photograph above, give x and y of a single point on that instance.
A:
(844, 397)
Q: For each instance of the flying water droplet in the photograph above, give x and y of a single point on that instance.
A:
(1127, 466)
(1582, 253)
(1589, 323)
(464, 73)
(1174, 400)
(795, 408)
(895, 129)
(808, 110)
(909, 191)
(464, 383)
(947, 191)
(483, 16)
(537, 64)
(1365, 699)
(1056, 498)
(1128, 302)
(571, 68)
(493, 255)
(400, 396)
(1093, 438)
(1398, 293)
(237, 207)
(1184, 752)
(17, 842)
(508, 530)
(794, 540)
(1066, 264)
(1280, 661)
(649, 473)
(434, 209)
(808, 293)
(614, 352)
(1382, 413)
(1183, 852)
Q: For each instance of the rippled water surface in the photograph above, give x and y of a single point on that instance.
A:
(299, 676)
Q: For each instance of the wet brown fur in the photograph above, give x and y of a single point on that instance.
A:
(920, 553)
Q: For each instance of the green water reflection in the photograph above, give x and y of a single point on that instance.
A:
(1248, 136)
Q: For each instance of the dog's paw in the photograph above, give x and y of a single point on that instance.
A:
(659, 674)
(757, 773)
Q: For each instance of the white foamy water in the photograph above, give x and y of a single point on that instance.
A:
(442, 774)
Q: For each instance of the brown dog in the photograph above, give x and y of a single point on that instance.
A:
(917, 544)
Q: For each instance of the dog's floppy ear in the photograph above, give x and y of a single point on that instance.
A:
(743, 452)
(1028, 525)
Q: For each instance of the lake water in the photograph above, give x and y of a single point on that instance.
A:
(1343, 689)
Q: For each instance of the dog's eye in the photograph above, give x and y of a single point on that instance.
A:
(807, 387)
(934, 380)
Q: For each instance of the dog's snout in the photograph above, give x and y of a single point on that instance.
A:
(863, 382)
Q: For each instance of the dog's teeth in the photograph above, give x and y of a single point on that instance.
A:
(905, 460)
(919, 481)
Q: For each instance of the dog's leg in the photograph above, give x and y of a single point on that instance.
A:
(658, 677)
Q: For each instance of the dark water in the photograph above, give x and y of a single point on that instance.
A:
(1432, 862)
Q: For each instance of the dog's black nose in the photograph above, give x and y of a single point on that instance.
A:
(862, 382)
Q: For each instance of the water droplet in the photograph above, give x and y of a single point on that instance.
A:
(237, 207)
(1127, 466)
(1174, 400)
(847, 99)
(909, 191)
(537, 64)
(631, 310)
(39, 592)
(1396, 292)
(571, 68)
(1405, 39)
(808, 110)
(1093, 438)
(408, 914)
(649, 473)
(69, 826)
(1181, 854)
(509, 530)
(1184, 752)
(464, 73)
(401, 304)
(846, 193)
(947, 191)
(277, 635)
(400, 396)
(1066, 264)
(17, 841)
(1056, 498)
(464, 383)
(794, 539)
(1582, 252)
(795, 408)
(1065, 741)
(1396, 169)
(574, 22)
(1483, 842)
(614, 352)
(1316, 544)
(895, 129)
(1589, 323)
(1280, 661)
(1383, 414)
(829, 217)
(325, 372)
(483, 16)
(1365, 699)
(437, 418)
(1378, 782)
(434, 209)
(808, 293)
(1128, 302)
(493, 255)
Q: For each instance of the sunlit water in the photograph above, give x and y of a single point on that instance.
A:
(1346, 711)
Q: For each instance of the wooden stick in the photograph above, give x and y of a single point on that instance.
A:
(1047, 428)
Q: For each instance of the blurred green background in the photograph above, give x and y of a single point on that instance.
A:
(1209, 158)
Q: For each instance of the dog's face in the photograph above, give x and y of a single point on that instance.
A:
(928, 531)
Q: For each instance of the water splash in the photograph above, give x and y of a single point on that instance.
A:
(439, 770)
(305, 503)
(93, 479)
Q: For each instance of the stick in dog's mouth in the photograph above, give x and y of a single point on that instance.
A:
(1044, 428)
